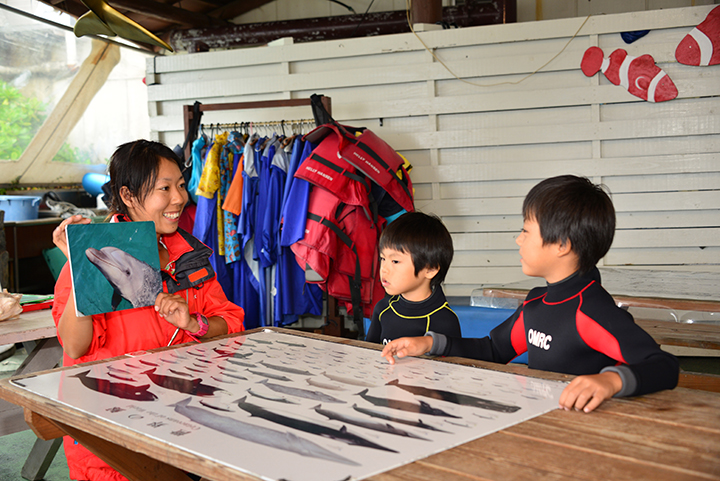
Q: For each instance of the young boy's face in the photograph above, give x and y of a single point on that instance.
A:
(397, 273)
(537, 260)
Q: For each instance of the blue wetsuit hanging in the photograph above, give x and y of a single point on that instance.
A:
(296, 201)
(232, 239)
(197, 166)
(249, 275)
(263, 201)
(293, 296)
(277, 175)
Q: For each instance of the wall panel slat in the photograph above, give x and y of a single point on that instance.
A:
(477, 150)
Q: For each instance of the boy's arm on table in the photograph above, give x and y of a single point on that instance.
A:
(658, 372)
(642, 367)
(483, 349)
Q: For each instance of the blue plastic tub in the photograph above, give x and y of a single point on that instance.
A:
(19, 207)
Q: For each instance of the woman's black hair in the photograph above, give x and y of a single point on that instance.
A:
(425, 238)
(573, 208)
(135, 165)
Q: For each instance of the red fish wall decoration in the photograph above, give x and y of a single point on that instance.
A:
(701, 47)
(639, 75)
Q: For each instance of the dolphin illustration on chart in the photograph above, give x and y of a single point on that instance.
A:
(270, 398)
(324, 385)
(185, 386)
(342, 434)
(116, 389)
(282, 440)
(421, 408)
(375, 426)
(303, 393)
(455, 398)
(288, 370)
(270, 375)
(348, 380)
(381, 415)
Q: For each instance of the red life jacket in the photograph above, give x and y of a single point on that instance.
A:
(343, 227)
(326, 169)
(371, 155)
(340, 246)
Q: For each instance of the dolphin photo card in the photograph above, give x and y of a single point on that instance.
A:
(114, 266)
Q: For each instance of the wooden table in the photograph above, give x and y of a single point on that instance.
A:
(671, 435)
(36, 330)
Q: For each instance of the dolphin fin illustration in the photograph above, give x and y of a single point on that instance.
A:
(116, 299)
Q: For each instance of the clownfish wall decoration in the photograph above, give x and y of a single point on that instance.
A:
(701, 47)
(639, 75)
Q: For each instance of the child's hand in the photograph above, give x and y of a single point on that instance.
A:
(406, 346)
(588, 392)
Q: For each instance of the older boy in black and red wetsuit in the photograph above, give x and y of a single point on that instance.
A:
(572, 325)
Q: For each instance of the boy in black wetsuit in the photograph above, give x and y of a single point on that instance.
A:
(415, 254)
(572, 325)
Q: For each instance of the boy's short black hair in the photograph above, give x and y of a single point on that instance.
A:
(570, 207)
(425, 238)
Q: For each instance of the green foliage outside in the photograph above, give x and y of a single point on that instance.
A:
(20, 118)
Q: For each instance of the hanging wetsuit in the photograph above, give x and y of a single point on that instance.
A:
(234, 149)
(248, 275)
(295, 205)
(205, 228)
(293, 296)
(197, 166)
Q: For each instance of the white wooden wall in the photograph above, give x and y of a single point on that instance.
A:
(478, 150)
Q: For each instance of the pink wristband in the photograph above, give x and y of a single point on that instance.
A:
(204, 326)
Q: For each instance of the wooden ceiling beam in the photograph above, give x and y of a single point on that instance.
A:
(213, 3)
(167, 13)
(236, 8)
(75, 9)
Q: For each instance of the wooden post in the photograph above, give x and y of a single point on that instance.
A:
(426, 11)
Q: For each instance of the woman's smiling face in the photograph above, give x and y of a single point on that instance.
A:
(165, 200)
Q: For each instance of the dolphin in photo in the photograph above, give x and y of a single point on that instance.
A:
(131, 278)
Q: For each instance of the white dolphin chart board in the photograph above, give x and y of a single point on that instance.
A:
(279, 406)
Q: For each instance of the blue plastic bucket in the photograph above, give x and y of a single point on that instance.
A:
(19, 207)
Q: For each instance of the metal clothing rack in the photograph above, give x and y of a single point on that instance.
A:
(269, 123)
(261, 104)
(334, 324)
